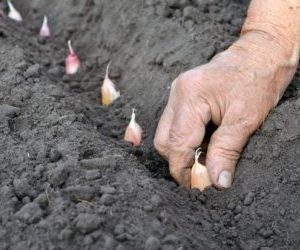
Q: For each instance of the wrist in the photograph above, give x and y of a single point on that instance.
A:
(266, 56)
(284, 45)
(279, 51)
(278, 22)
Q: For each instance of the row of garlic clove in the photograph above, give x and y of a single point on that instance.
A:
(14, 14)
(199, 175)
(109, 93)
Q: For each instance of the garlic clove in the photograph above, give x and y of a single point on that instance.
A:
(199, 176)
(72, 61)
(133, 131)
(45, 30)
(108, 90)
(13, 13)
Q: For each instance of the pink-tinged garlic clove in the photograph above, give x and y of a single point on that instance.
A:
(45, 30)
(133, 131)
(199, 175)
(109, 92)
(72, 61)
(13, 13)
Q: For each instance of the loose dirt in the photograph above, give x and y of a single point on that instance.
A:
(68, 181)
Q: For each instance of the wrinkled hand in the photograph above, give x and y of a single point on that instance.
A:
(236, 91)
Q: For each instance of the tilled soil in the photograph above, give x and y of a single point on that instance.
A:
(68, 181)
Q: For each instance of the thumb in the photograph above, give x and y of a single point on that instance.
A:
(224, 150)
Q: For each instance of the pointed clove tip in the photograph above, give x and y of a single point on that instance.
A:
(45, 30)
(107, 69)
(45, 21)
(198, 153)
(133, 115)
(70, 47)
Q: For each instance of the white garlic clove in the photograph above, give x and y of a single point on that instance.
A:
(72, 61)
(109, 92)
(133, 131)
(13, 13)
(199, 176)
(45, 30)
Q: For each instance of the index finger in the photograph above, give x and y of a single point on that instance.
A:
(186, 133)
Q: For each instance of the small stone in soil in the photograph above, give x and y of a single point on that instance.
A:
(78, 192)
(42, 200)
(23, 188)
(156, 200)
(32, 71)
(55, 155)
(58, 175)
(6, 193)
(8, 111)
(30, 213)
(87, 223)
(109, 242)
(107, 190)
(249, 198)
(92, 174)
(152, 243)
(66, 234)
(107, 199)
(170, 239)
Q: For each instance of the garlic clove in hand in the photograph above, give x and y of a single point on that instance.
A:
(199, 175)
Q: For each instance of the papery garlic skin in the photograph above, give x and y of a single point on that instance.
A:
(13, 13)
(199, 176)
(109, 92)
(133, 131)
(72, 61)
(45, 30)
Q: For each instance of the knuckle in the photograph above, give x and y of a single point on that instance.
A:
(225, 151)
(159, 144)
(250, 118)
(232, 154)
(250, 124)
(183, 77)
(176, 139)
(187, 80)
(227, 146)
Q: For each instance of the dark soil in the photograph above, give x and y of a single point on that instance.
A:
(68, 181)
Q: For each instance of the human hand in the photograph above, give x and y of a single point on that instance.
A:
(236, 90)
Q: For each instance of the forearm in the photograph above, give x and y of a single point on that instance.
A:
(278, 19)
(270, 38)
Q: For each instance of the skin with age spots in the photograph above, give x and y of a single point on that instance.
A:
(236, 90)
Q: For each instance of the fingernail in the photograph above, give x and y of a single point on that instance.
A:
(225, 179)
